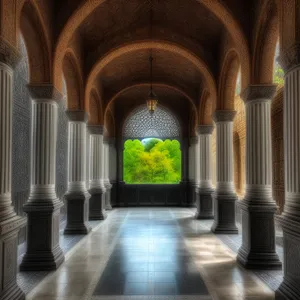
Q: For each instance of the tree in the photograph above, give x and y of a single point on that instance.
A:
(156, 161)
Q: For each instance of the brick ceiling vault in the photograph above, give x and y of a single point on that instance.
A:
(110, 42)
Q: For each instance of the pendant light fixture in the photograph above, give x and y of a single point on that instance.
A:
(152, 98)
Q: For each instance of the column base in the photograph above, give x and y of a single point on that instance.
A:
(8, 261)
(258, 250)
(204, 203)
(224, 218)
(43, 250)
(107, 199)
(96, 209)
(77, 213)
(290, 287)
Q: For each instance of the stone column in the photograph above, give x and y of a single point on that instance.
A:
(77, 196)
(193, 172)
(43, 206)
(204, 198)
(97, 188)
(10, 223)
(224, 196)
(107, 184)
(290, 218)
(258, 207)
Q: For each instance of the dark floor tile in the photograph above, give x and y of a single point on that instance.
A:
(165, 289)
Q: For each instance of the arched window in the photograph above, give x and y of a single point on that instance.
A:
(238, 84)
(152, 152)
(141, 124)
(278, 71)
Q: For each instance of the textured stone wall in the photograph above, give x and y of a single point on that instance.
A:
(62, 151)
(21, 113)
(239, 146)
(278, 149)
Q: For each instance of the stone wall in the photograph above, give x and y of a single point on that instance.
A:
(239, 146)
(278, 149)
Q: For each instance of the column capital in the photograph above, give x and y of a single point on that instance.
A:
(290, 58)
(259, 92)
(42, 92)
(77, 115)
(224, 115)
(205, 129)
(9, 55)
(193, 140)
(96, 129)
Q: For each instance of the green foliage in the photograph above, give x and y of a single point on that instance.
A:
(155, 161)
(278, 75)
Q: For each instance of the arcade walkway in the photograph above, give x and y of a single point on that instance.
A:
(146, 252)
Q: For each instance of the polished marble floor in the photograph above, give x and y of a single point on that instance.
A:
(151, 253)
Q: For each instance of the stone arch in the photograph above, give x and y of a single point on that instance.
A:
(266, 37)
(205, 109)
(217, 7)
(37, 44)
(95, 112)
(74, 81)
(163, 123)
(228, 79)
(160, 45)
(166, 85)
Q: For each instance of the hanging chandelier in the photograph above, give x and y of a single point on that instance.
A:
(152, 99)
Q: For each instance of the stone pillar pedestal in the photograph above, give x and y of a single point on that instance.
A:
(10, 223)
(77, 196)
(43, 207)
(290, 218)
(224, 196)
(96, 189)
(258, 249)
(205, 190)
(107, 184)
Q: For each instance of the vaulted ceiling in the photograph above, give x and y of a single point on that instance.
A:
(187, 43)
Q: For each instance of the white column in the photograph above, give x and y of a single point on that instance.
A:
(77, 196)
(290, 218)
(10, 223)
(6, 77)
(224, 195)
(197, 162)
(43, 206)
(258, 208)
(204, 199)
(97, 188)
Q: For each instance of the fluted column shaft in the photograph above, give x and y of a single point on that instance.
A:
(43, 206)
(97, 188)
(6, 77)
(224, 195)
(258, 208)
(225, 156)
(290, 218)
(76, 161)
(10, 223)
(77, 197)
(204, 198)
(43, 151)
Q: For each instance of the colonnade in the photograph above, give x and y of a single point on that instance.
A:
(43, 206)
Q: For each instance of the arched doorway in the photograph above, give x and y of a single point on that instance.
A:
(151, 161)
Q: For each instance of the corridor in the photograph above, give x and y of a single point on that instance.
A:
(151, 253)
